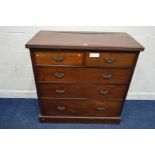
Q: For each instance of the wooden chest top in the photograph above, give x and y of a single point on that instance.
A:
(85, 40)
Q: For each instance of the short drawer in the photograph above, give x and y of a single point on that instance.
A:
(80, 107)
(82, 91)
(58, 58)
(110, 59)
(82, 75)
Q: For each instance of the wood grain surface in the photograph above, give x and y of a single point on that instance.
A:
(82, 75)
(111, 59)
(57, 57)
(80, 107)
(82, 91)
(84, 40)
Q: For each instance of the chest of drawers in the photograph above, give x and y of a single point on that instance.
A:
(82, 77)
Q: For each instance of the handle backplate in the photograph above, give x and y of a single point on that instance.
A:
(109, 60)
(59, 59)
(59, 91)
(103, 92)
(59, 75)
(101, 108)
(61, 108)
(106, 76)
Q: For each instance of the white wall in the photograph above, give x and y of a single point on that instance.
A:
(16, 76)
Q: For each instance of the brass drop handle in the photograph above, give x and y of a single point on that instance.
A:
(59, 59)
(59, 91)
(103, 92)
(101, 108)
(61, 108)
(109, 60)
(59, 75)
(106, 76)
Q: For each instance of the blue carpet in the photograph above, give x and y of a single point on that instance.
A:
(23, 114)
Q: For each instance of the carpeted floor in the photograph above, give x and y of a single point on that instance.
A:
(23, 114)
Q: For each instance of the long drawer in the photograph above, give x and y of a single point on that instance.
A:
(80, 107)
(82, 75)
(82, 91)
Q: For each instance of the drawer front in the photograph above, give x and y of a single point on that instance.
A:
(58, 58)
(82, 75)
(80, 107)
(111, 59)
(82, 91)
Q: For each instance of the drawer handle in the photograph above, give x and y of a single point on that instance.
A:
(59, 59)
(103, 92)
(101, 108)
(59, 75)
(109, 60)
(60, 91)
(106, 76)
(61, 108)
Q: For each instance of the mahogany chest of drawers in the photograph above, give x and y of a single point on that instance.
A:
(82, 77)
